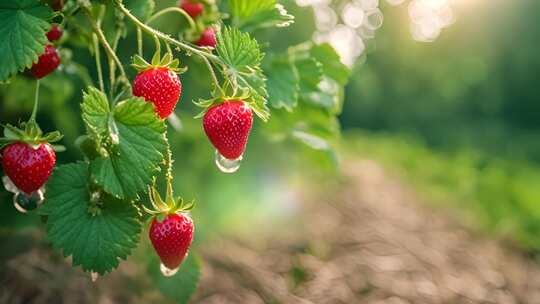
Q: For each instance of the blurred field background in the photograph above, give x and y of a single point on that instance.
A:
(439, 150)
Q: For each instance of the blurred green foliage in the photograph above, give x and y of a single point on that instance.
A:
(475, 86)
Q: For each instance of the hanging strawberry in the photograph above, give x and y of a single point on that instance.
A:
(171, 231)
(158, 82)
(27, 155)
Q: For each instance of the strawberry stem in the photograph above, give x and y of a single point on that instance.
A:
(173, 9)
(98, 62)
(36, 103)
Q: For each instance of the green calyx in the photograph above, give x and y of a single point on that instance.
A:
(30, 133)
(206, 104)
(158, 62)
(170, 205)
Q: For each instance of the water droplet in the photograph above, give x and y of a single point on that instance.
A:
(9, 185)
(226, 165)
(167, 271)
(94, 276)
(24, 202)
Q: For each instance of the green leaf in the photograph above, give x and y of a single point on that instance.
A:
(22, 28)
(322, 76)
(135, 147)
(96, 241)
(242, 56)
(238, 50)
(283, 84)
(183, 284)
(95, 114)
(253, 14)
(142, 9)
(332, 66)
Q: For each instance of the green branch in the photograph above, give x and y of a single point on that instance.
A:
(166, 37)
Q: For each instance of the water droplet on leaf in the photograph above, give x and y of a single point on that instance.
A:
(167, 271)
(226, 165)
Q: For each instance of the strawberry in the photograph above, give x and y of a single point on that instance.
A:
(192, 8)
(57, 5)
(227, 125)
(54, 33)
(28, 167)
(47, 62)
(171, 238)
(160, 86)
(207, 39)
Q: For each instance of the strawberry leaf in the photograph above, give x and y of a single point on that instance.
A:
(242, 56)
(249, 15)
(22, 28)
(283, 83)
(138, 148)
(130, 139)
(95, 113)
(183, 284)
(97, 230)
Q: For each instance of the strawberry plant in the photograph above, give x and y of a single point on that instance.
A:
(96, 208)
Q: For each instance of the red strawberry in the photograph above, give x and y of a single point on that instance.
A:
(28, 167)
(207, 39)
(47, 62)
(54, 33)
(171, 238)
(56, 5)
(193, 8)
(227, 125)
(160, 86)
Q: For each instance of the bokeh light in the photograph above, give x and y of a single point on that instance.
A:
(347, 26)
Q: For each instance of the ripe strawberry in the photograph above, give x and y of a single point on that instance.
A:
(56, 5)
(160, 86)
(28, 167)
(207, 39)
(171, 238)
(191, 7)
(47, 62)
(54, 33)
(227, 125)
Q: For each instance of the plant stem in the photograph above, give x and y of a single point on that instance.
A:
(98, 62)
(139, 42)
(166, 37)
(36, 102)
(105, 44)
(213, 74)
(173, 9)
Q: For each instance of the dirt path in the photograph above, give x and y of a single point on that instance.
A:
(373, 244)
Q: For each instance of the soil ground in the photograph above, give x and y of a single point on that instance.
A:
(373, 242)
